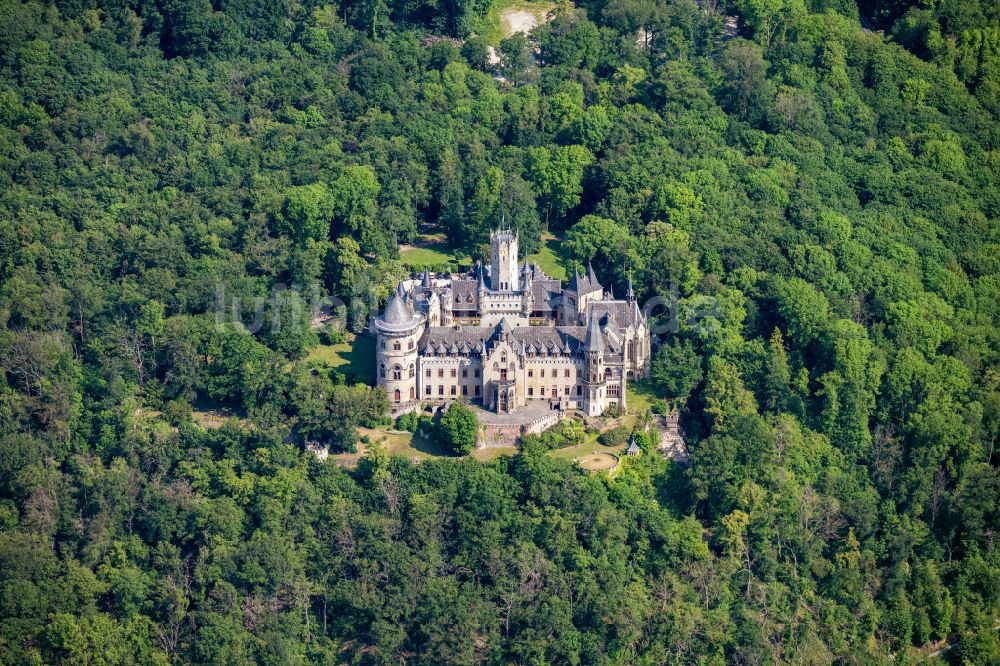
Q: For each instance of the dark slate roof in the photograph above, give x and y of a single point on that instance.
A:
(533, 340)
(546, 294)
(465, 295)
(584, 284)
(594, 341)
(621, 314)
(397, 315)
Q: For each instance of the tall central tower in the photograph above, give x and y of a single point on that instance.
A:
(503, 261)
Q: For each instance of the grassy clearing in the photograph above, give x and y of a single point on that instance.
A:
(211, 416)
(493, 27)
(435, 254)
(639, 396)
(550, 259)
(355, 358)
(411, 446)
(428, 251)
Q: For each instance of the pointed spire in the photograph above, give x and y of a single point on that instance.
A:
(630, 295)
(482, 283)
(591, 276)
(574, 283)
(594, 342)
(427, 279)
(401, 290)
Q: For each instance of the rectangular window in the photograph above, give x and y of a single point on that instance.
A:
(440, 389)
(477, 389)
(465, 372)
(440, 372)
(543, 374)
(427, 389)
(579, 390)
(566, 373)
(477, 372)
(453, 389)
(531, 391)
(531, 373)
(454, 372)
(465, 389)
(428, 372)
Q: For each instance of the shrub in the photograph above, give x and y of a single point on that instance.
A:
(566, 433)
(407, 422)
(615, 436)
(331, 335)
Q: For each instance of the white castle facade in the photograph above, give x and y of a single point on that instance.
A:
(507, 335)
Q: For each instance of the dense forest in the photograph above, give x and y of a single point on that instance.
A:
(813, 189)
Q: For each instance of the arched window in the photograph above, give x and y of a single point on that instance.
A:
(395, 395)
(630, 350)
(397, 372)
(607, 373)
(412, 393)
(381, 370)
(413, 371)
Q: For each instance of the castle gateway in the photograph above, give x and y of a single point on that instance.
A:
(507, 335)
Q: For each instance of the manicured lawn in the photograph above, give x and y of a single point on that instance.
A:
(550, 259)
(355, 358)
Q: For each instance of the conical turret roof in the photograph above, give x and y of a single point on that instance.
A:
(397, 315)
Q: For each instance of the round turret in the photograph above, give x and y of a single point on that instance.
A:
(397, 330)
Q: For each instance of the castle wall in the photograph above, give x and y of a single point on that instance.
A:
(449, 377)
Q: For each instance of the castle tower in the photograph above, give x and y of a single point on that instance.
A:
(527, 296)
(447, 316)
(503, 261)
(397, 331)
(593, 354)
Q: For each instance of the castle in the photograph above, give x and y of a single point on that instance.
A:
(507, 335)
